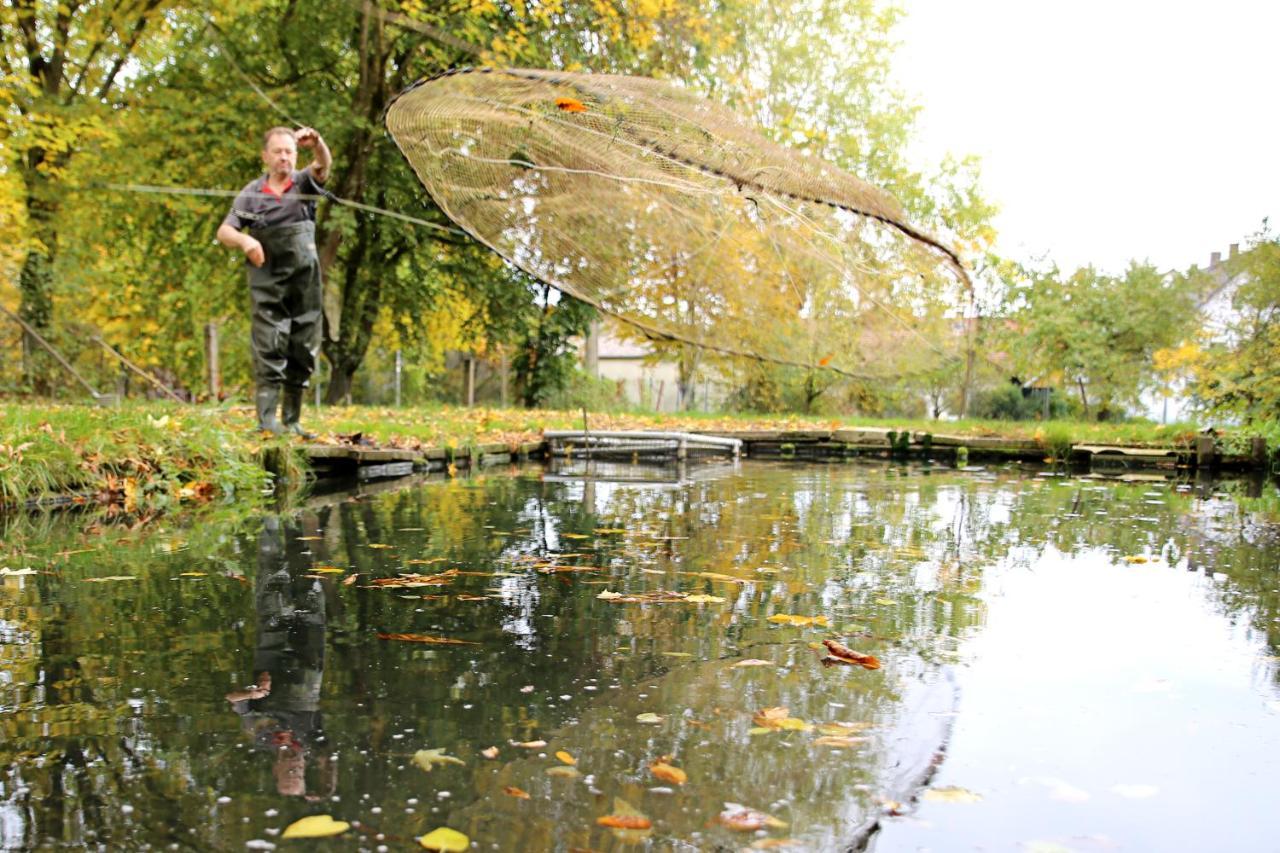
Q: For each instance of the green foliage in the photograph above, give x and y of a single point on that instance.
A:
(545, 363)
(1008, 403)
(1096, 335)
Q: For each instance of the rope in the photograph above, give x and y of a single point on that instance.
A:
(66, 364)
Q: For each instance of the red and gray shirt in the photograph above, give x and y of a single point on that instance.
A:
(258, 206)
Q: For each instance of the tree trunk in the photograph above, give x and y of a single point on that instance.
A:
(1084, 399)
(35, 281)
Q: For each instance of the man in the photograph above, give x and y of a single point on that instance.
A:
(279, 209)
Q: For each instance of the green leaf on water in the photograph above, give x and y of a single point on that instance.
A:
(428, 758)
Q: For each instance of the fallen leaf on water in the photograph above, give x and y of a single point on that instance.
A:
(574, 536)
(491, 752)
(743, 819)
(110, 578)
(798, 621)
(445, 840)
(428, 758)
(885, 601)
(840, 741)
(627, 823)
(608, 595)
(717, 576)
(753, 662)
(844, 654)
(780, 719)
(379, 545)
(678, 654)
(667, 773)
(513, 791)
(412, 580)
(193, 574)
(316, 826)
(839, 729)
(530, 744)
(619, 821)
(704, 599)
(563, 772)
(424, 638)
(768, 716)
(649, 717)
(329, 570)
(1137, 558)
(471, 597)
(610, 530)
(566, 757)
(348, 581)
(951, 794)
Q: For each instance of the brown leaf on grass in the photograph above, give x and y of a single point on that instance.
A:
(424, 638)
(513, 791)
(843, 654)
(624, 821)
(667, 773)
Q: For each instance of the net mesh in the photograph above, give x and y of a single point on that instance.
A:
(667, 211)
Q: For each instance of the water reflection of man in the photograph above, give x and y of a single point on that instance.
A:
(281, 710)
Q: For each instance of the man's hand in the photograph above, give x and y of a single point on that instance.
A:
(253, 251)
(307, 137)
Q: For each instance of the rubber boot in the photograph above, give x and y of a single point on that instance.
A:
(292, 411)
(266, 399)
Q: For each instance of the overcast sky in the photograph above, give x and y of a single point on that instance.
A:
(1107, 130)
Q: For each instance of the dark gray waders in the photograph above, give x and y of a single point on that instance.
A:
(285, 332)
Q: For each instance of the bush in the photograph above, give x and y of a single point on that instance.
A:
(1008, 403)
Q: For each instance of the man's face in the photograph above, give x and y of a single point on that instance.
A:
(280, 155)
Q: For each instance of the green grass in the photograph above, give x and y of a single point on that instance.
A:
(158, 455)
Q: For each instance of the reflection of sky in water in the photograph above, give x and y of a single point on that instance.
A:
(1106, 706)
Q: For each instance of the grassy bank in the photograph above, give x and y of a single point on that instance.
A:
(160, 455)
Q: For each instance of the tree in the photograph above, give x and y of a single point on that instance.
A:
(1097, 334)
(61, 64)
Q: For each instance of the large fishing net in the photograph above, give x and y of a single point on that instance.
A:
(670, 213)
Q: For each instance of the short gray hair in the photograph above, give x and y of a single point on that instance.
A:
(278, 131)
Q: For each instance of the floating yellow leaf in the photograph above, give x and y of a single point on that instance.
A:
(428, 758)
(562, 772)
(379, 545)
(798, 621)
(951, 794)
(328, 570)
(566, 757)
(678, 654)
(316, 826)
(649, 717)
(445, 840)
(704, 599)
(491, 752)
(193, 574)
(530, 744)
(1137, 558)
(667, 773)
(608, 595)
(424, 638)
(753, 662)
(110, 578)
(513, 791)
(574, 536)
(717, 576)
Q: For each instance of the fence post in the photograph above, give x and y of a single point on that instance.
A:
(399, 370)
(211, 360)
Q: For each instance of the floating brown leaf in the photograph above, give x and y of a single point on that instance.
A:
(491, 752)
(424, 638)
(513, 791)
(743, 819)
(348, 581)
(413, 580)
(844, 654)
(798, 621)
(840, 741)
(624, 821)
(753, 662)
(667, 773)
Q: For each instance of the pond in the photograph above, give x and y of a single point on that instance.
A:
(1058, 664)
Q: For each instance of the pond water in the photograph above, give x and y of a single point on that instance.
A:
(1064, 664)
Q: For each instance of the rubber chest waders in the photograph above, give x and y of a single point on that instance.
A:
(287, 305)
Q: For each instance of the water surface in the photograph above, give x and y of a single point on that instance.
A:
(1065, 664)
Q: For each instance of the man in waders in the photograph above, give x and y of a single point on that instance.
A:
(279, 209)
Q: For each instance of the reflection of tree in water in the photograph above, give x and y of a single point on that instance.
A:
(281, 710)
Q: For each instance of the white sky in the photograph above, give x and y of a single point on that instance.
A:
(1107, 130)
